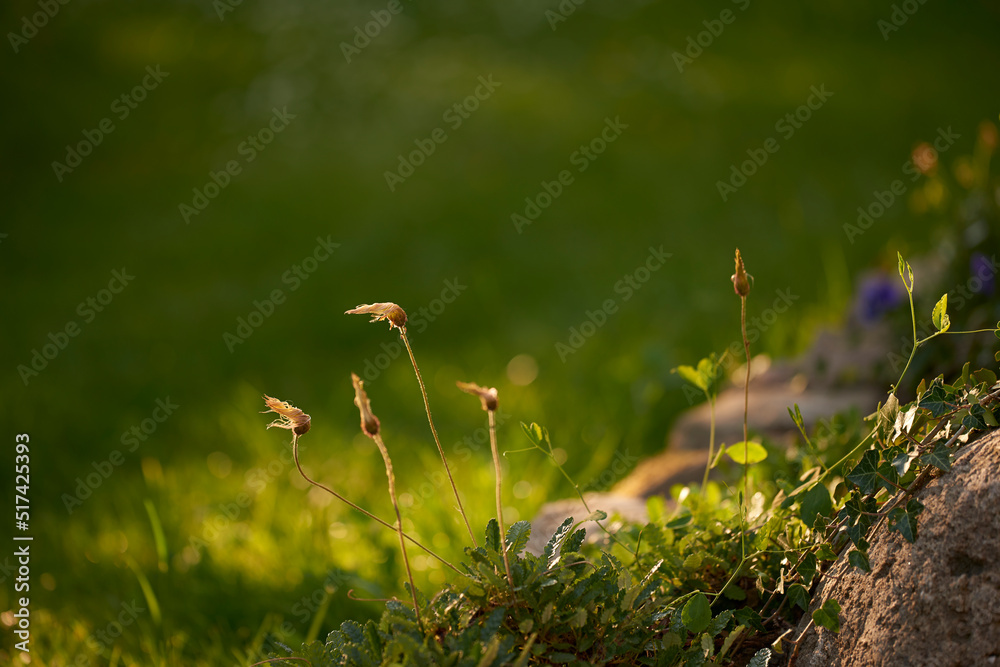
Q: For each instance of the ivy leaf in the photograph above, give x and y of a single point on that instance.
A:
(750, 618)
(940, 457)
(827, 616)
(825, 552)
(887, 477)
(905, 520)
(517, 536)
(935, 399)
(865, 474)
(985, 377)
(815, 501)
(752, 452)
(697, 613)
(797, 594)
(901, 461)
(859, 559)
(940, 314)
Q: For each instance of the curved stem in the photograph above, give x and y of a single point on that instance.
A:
(437, 440)
(295, 455)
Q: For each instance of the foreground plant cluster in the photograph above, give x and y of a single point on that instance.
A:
(720, 575)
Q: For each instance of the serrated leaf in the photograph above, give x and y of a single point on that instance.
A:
(517, 536)
(865, 474)
(697, 613)
(753, 452)
(815, 501)
(693, 561)
(760, 658)
(859, 559)
(493, 535)
(940, 457)
(551, 552)
(939, 316)
(828, 616)
(719, 623)
(905, 520)
(798, 595)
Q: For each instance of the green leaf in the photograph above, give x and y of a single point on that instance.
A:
(697, 613)
(905, 520)
(719, 623)
(985, 377)
(808, 568)
(815, 501)
(692, 376)
(551, 553)
(752, 451)
(901, 461)
(827, 616)
(749, 617)
(493, 535)
(596, 515)
(859, 559)
(517, 536)
(825, 552)
(865, 474)
(940, 314)
(537, 434)
(760, 658)
(940, 457)
(797, 594)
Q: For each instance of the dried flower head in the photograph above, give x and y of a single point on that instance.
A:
(369, 422)
(741, 279)
(382, 311)
(487, 396)
(290, 418)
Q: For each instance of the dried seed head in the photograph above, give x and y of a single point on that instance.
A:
(369, 422)
(487, 396)
(290, 418)
(741, 279)
(382, 311)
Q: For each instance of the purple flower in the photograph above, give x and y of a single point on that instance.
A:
(982, 270)
(877, 295)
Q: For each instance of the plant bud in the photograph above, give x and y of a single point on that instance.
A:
(369, 422)
(741, 279)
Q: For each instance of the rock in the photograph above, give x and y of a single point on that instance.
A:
(932, 603)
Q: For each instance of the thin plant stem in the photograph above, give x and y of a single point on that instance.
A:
(399, 522)
(496, 465)
(711, 443)
(295, 455)
(437, 440)
(746, 410)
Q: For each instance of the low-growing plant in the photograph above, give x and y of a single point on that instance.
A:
(719, 577)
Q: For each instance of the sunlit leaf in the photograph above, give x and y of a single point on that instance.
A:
(940, 314)
(865, 474)
(859, 559)
(827, 616)
(815, 501)
(940, 457)
(747, 452)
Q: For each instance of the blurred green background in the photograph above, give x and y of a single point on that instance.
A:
(166, 545)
